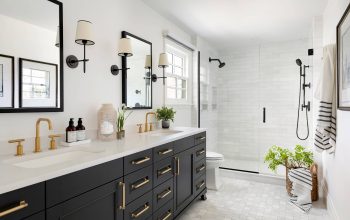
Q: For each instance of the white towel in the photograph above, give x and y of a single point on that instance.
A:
(325, 134)
(301, 189)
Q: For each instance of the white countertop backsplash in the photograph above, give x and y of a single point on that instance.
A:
(14, 177)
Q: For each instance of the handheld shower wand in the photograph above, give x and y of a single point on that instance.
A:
(306, 106)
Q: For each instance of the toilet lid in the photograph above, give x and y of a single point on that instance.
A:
(214, 156)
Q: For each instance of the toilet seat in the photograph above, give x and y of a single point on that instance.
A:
(214, 156)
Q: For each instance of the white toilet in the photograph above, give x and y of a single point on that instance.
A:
(214, 161)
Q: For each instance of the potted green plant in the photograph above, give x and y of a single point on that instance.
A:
(121, 118)
(279, 156)
(165, 114)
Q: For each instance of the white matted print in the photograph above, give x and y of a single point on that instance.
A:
(38, 84)
(343, 63)
(6, 81)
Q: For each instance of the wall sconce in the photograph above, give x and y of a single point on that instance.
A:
(124, 50)
(83, 37)
(162, 63)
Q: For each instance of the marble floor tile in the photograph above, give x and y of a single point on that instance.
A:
(248, 200)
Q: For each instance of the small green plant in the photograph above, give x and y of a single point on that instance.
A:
(276, 156)
(122, 116)
(165, 114)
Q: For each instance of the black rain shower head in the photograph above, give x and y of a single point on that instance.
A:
(299, 63)
(221, 64)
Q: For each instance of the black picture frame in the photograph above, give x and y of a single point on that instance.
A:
(20, 81)
(12, 58)
(125, 75)
(345, 16)
(60, 108)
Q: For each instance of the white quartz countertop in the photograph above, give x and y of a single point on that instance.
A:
(97, 152)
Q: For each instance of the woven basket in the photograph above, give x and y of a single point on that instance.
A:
(314, 191)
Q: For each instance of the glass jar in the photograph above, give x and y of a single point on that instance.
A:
(107, 116)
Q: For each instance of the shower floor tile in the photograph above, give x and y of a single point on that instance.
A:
(242, 199)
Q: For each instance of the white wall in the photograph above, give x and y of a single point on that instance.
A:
(84, 93)
(336, 167)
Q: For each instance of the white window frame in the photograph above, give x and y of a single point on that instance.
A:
(173, 48)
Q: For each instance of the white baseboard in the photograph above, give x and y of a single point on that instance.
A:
(332, 212)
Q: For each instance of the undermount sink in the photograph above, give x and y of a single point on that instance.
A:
(163, 132)
(53, 159)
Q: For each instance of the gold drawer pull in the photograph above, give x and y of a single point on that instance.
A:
(200, 138)
(177, 161)
(167, 215)
(22, 205)
(164, 194)
(200, 152)
(144, 182)
(199, 169)
(138, 214)
(165, 152)
(200, 185)
(164, 171)
(140, 161)
(123, 196)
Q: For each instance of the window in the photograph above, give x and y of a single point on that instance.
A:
(36, 84)
(179, 73)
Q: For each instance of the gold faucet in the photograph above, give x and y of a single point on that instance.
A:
(146, 125)
(37, 136)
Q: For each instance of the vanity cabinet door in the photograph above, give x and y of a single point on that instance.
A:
(100, 203)
(183, 181)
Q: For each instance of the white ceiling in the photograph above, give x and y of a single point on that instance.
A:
(232, 23)
(41, 13)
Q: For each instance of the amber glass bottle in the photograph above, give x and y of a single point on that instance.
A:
(71, 132)
(80, 130)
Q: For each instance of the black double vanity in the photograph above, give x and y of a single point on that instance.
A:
(157, 183)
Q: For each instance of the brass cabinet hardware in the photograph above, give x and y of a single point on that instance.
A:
(200, 185)
(53, 145)
(200, 152)
(177, 166)
(122, 206)
(164, 170)
(138, 214)
(199, 169)
(168, 214)
(201, 138)
(164, 194)
(140, 161)
(19, 151)
(22, 205)
(144, 182)
(165, 151)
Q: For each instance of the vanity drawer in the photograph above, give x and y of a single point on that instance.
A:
(163, 151)
(199, 185)
(165, 213)
(200, 138)
(199, 168)
(183, 144)
(199, 152)
(23, 202)
(140, 209)
(162, 194)
(65, 187)
(38, 216)
(138, 183)
(162, 171)
(137, 161)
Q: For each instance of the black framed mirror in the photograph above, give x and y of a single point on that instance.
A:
(32, 37)
(136, 81)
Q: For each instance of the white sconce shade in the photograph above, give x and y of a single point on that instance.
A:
(148, 62)
(57, 44)
(163, 60)
(124, 48)
(84, 33)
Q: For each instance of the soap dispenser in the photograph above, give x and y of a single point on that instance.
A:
(71, 132)
(81, 135)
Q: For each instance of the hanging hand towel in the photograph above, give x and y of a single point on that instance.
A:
(325, 134)
(301, 189)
